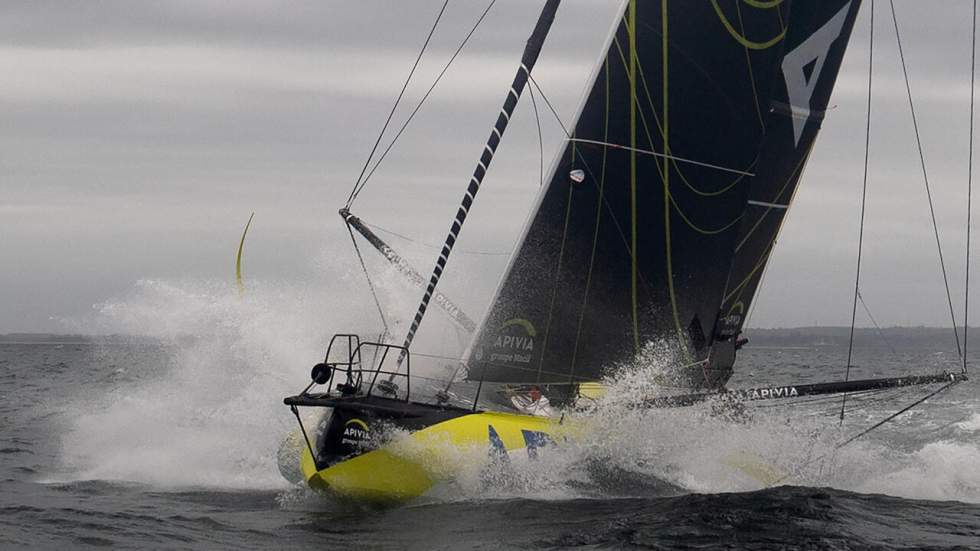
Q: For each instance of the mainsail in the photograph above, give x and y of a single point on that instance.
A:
(661, 210)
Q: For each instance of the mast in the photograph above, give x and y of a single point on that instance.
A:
(530, 57)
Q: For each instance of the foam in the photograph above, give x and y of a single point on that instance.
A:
(214, 417)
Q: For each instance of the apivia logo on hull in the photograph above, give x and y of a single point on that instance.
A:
(769, 393)
(355, 433)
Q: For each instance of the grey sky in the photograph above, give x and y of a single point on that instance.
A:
(137, 137)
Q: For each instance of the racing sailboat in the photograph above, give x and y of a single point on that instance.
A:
(654, 225)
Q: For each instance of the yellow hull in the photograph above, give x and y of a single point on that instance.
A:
(408, 467)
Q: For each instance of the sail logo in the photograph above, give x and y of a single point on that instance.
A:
(446, 305)
(802, 66)
(514, 342)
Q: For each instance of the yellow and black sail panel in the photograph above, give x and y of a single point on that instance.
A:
(637, 230)
(815, 42)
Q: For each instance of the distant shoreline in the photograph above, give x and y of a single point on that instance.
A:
(779, 337)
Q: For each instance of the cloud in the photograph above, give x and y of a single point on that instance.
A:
(123, 124)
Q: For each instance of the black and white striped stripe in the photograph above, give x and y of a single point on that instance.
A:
(531, 52)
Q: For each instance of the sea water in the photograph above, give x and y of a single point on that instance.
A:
(165, 435)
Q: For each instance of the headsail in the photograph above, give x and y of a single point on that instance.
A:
(636, 233)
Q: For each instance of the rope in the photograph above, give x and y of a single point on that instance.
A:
(415, 111)
(528, 59)
(429, 245)
(667, 156)
(969, 188)
(896, 414)
(864, 199)
(871, 428)
(551, 107)
(350, 198)
(925, 178)
(367, 276)
(875, 323)
(537, 121)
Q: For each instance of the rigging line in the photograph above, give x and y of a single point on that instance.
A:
(616, 223)
(869, 429)
(800, 166)
(661, 155)
(592, 177)
(598, 220)
(602, 198)
(759, 287)
(537, 120)
(897, 413)
(875, 322)
(374, 294)
(429, 245)
(532, 52)
(748, 63)
(557, 285)
(768, 251)
(969, 187)
(415, 111)
(551, 107)
(925, 178)
(864, 200)
(461, 340)
(398, 100)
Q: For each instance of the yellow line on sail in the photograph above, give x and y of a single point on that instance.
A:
(633, 240)
(762, 260)
(656, 120)
(763, 4)
(752, 45)
(238, 258)
(662, 167)
(697, 228)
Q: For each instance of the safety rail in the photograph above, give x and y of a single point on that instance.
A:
(357, 373)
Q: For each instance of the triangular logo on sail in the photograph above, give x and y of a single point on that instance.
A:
(802, 66)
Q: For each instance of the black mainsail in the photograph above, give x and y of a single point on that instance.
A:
(663, 205)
